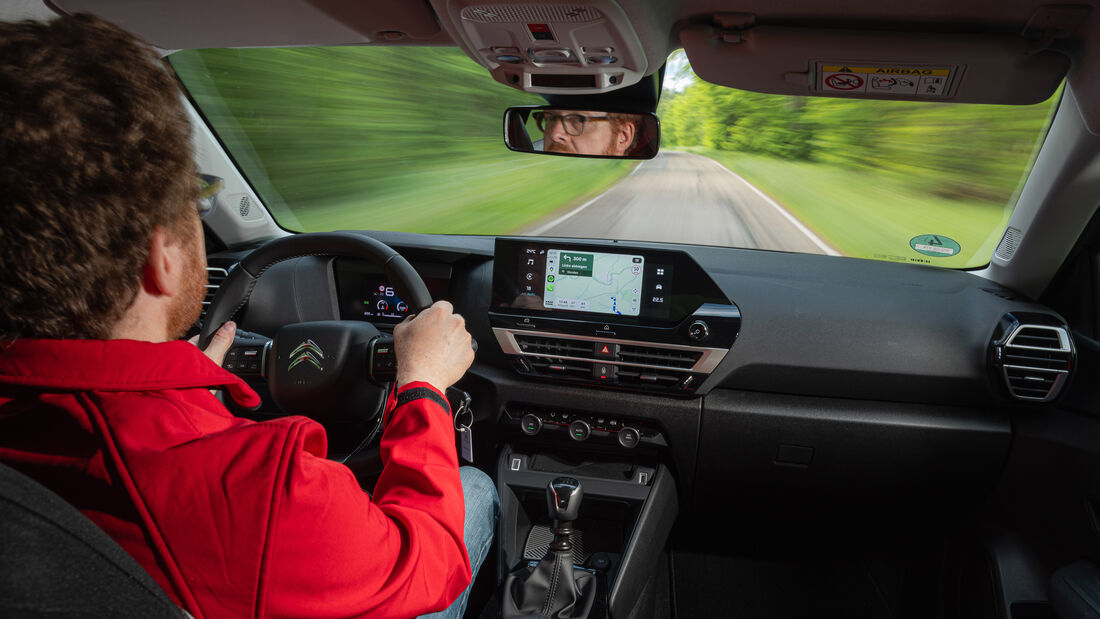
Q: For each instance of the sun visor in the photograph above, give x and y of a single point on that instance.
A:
(911, 66)
(190, 24)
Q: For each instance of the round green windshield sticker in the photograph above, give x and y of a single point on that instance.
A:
(935, 245)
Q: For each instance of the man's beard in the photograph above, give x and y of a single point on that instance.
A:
(557, 147)
(188, 305)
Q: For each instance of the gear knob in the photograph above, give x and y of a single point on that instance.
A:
(563, 498)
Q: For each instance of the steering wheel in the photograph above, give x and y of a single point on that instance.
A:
(333, 371)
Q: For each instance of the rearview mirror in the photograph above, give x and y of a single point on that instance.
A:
(581, 133)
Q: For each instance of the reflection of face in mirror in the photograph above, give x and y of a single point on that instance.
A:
(586, 133)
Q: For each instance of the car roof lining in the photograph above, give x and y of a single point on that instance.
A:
(179, 24)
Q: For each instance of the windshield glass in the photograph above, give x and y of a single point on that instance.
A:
(409, 139)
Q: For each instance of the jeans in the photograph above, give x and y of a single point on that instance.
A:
(482, 505)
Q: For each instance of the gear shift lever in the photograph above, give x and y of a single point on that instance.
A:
(553, 587)
(563, 500)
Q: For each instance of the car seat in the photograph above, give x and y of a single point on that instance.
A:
(55, 562)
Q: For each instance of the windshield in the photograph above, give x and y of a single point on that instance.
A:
(409, 139)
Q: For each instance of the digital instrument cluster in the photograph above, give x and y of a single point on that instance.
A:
(366, 294)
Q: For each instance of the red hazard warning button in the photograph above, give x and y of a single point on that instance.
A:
(606, 350)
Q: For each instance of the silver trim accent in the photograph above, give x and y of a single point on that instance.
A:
(1065, 345)
(263, 359)
(214, 270)
(706, 364)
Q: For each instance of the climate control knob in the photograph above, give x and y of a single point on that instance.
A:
(580, 430)
(530, 424)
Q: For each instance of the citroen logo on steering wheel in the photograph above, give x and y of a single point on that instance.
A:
(307, 352)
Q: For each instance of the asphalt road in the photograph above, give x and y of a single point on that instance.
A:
(686, 198)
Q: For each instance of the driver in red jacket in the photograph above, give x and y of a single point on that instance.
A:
(102, 270)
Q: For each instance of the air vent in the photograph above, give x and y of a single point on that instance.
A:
(556, 347)
(644, 377)
(1036, 361)
(618, 354)
(214, 278)
(646, 366)
(659, 357)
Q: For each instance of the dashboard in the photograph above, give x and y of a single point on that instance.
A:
(785, 378)
(726, 318)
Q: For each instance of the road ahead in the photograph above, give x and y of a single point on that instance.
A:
(686, 198)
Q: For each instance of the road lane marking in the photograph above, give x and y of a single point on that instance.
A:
(555, 222)
(816, 240)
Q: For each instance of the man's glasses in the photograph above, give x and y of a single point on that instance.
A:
(572, 123)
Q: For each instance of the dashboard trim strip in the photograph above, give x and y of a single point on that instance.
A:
(708, 361)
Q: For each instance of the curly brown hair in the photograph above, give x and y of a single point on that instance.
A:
(96, 154)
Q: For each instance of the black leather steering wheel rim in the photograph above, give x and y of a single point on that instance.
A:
(234, 292)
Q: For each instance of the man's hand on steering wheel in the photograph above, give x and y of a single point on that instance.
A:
(434, 347)
(220, 344)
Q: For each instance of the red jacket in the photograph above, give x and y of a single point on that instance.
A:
(235, 518)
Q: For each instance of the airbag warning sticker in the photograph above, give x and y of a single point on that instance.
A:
(885, 79)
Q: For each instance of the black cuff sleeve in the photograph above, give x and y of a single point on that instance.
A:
(417, 393)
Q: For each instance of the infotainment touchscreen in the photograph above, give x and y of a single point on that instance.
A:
(604, 283)
(593, 282)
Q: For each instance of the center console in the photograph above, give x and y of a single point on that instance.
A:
(603, 314)
(616, 317)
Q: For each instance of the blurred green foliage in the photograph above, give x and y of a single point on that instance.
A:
(865, 216)
(949, 150)
(383, 138)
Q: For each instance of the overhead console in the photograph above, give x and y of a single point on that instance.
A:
(549, 46)
(610, 315)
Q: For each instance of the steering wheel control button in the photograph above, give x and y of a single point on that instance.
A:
(629, 437)
(698, 331)
(579, 430)
(530, 424)
(383, 359)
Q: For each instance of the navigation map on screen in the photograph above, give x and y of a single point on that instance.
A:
(593, 282)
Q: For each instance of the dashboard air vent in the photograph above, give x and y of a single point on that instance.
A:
(659, 357)
(632, 364)
(1035, 360)
(557, 347)
(619, 354)
(214, 278)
